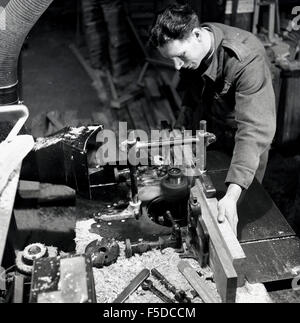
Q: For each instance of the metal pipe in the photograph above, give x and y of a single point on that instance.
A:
(18, 18)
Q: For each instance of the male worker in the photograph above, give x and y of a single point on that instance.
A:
(228, 82)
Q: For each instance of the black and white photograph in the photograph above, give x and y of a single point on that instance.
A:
(149, 154)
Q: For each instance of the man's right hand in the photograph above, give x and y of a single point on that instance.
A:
(227, 206)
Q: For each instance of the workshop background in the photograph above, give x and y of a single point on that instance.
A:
(86, 62)
(56, 81)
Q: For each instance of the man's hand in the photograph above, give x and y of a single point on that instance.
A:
(227, 206)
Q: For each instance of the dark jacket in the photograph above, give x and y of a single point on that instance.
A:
(234, 93)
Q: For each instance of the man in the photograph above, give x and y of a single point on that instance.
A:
(225, 71)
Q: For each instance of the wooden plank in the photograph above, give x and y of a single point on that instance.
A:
(226, 282)
(224, 273)
(11, 156)
(197, 282)
(256, 210)
(231, 243)
(7, 198)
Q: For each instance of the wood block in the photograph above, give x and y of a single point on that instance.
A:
(231, 243)
(224, 275)
(224, 272)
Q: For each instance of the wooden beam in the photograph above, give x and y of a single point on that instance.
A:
(233, 248)
(7, 199)
(11, 156)
(225, 274)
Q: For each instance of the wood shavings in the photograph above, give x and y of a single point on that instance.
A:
(253, 293)
(111, 281)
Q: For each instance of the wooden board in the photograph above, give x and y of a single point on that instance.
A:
(7, 199)
(231, 243)
(256, 211)
(11, 156)
(224, 273)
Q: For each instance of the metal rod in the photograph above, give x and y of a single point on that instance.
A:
(201, 147)
(167, 142)
(133, 285)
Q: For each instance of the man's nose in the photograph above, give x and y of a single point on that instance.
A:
(178, 63)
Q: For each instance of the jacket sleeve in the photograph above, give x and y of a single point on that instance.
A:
(255, 112)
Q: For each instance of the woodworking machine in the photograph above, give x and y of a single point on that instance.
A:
(185, 196)
(266, 249)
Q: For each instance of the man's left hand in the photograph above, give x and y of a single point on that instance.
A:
(227, 206)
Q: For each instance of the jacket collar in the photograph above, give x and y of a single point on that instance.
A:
(212, 69)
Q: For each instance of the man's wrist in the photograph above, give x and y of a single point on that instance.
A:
(234, 191)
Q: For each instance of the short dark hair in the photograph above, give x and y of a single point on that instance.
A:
(177, 21)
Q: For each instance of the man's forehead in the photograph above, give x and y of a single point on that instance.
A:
(172, 48)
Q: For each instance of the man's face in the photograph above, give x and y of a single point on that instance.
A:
(187, 53)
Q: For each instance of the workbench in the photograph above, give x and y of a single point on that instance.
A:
(270, 244)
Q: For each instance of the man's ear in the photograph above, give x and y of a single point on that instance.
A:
(197, 32)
